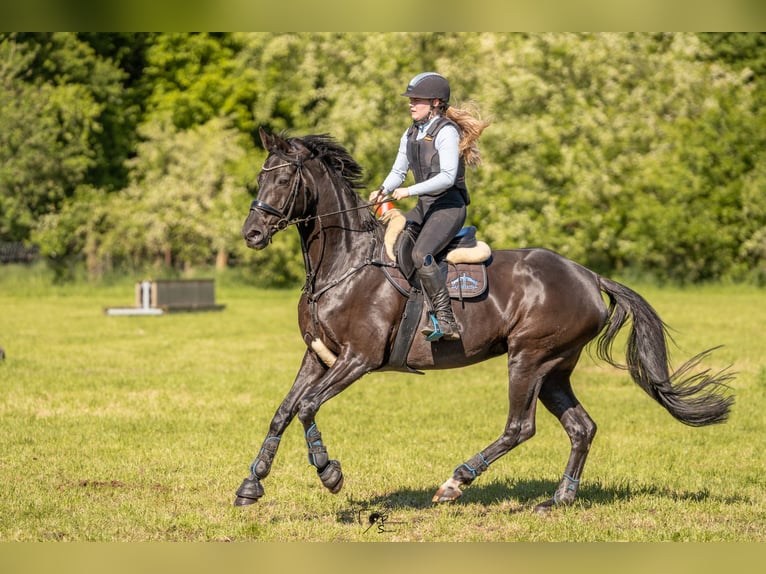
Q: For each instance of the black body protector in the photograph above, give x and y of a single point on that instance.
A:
(424, 159)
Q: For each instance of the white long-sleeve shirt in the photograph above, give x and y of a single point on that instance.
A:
(446, 143)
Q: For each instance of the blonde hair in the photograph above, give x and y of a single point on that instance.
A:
(471, 126)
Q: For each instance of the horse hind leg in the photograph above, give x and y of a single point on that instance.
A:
(557, 396)
(524, 376)
(517, 430)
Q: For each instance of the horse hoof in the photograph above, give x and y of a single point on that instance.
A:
(332, 477)
(448, 491)
(545, 507)
(248, 492)
(241, 501)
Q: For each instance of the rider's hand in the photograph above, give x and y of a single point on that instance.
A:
(377, 195)
(400, 193)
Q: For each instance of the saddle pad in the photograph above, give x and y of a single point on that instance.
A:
(464, 280)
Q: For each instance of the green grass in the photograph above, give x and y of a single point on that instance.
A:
(142, 428)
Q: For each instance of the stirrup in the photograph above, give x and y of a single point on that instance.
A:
(432, 331)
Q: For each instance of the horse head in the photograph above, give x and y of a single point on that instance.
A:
(282, 193)
(298, 175)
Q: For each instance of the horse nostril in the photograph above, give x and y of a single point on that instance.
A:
(253, 236)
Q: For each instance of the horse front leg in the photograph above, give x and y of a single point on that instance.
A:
(344, 372)
(328, 470)
(251, 489)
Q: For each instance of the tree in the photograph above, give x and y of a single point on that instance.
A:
(53, 92)
(124, 102)
(45, 132)
(636, 153)
(621, 151)
(181, 209)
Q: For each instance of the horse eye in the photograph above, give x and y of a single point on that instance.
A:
(283, 180)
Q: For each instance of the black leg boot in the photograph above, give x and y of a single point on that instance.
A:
(432, 281)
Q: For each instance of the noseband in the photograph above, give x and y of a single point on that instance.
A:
(284, 218)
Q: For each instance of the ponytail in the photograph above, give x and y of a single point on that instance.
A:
(471, 126)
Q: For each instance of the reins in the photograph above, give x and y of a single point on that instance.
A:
(284, 220)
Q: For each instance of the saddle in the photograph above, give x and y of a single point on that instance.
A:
(463, 262)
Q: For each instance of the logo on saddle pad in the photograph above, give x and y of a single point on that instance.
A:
(465, 281)
(464, 260)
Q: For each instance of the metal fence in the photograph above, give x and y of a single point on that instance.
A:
(17, 252)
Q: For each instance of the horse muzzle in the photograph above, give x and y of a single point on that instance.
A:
(256, 236)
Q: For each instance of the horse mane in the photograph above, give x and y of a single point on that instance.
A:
(336, 157)
(343, 168)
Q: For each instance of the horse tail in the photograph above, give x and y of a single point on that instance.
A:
(695, 399)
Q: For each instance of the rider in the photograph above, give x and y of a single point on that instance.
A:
(437, 146)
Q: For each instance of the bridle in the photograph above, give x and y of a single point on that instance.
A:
(284, 217)
(283, 214)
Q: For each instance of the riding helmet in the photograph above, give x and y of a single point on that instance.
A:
(429, 85)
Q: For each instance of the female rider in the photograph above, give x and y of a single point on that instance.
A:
(438, 145)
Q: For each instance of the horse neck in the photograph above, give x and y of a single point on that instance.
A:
(340, 240)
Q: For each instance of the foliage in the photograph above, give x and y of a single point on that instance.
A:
(192, 79)
(618, 153)
(628, 152)
(164, 216)
(45, 131)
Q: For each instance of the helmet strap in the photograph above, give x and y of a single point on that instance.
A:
(427, 118)
(423, 121)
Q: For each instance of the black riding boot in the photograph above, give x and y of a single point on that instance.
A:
(444, 326)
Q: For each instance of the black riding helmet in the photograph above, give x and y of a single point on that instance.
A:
(428, 85)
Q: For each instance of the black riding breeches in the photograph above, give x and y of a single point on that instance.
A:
(439, 226)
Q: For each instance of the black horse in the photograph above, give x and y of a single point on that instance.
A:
(541, 309)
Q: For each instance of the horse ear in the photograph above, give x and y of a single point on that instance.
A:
(266, 139)
(273, 143)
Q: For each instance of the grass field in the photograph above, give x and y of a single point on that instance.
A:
(142, 428)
